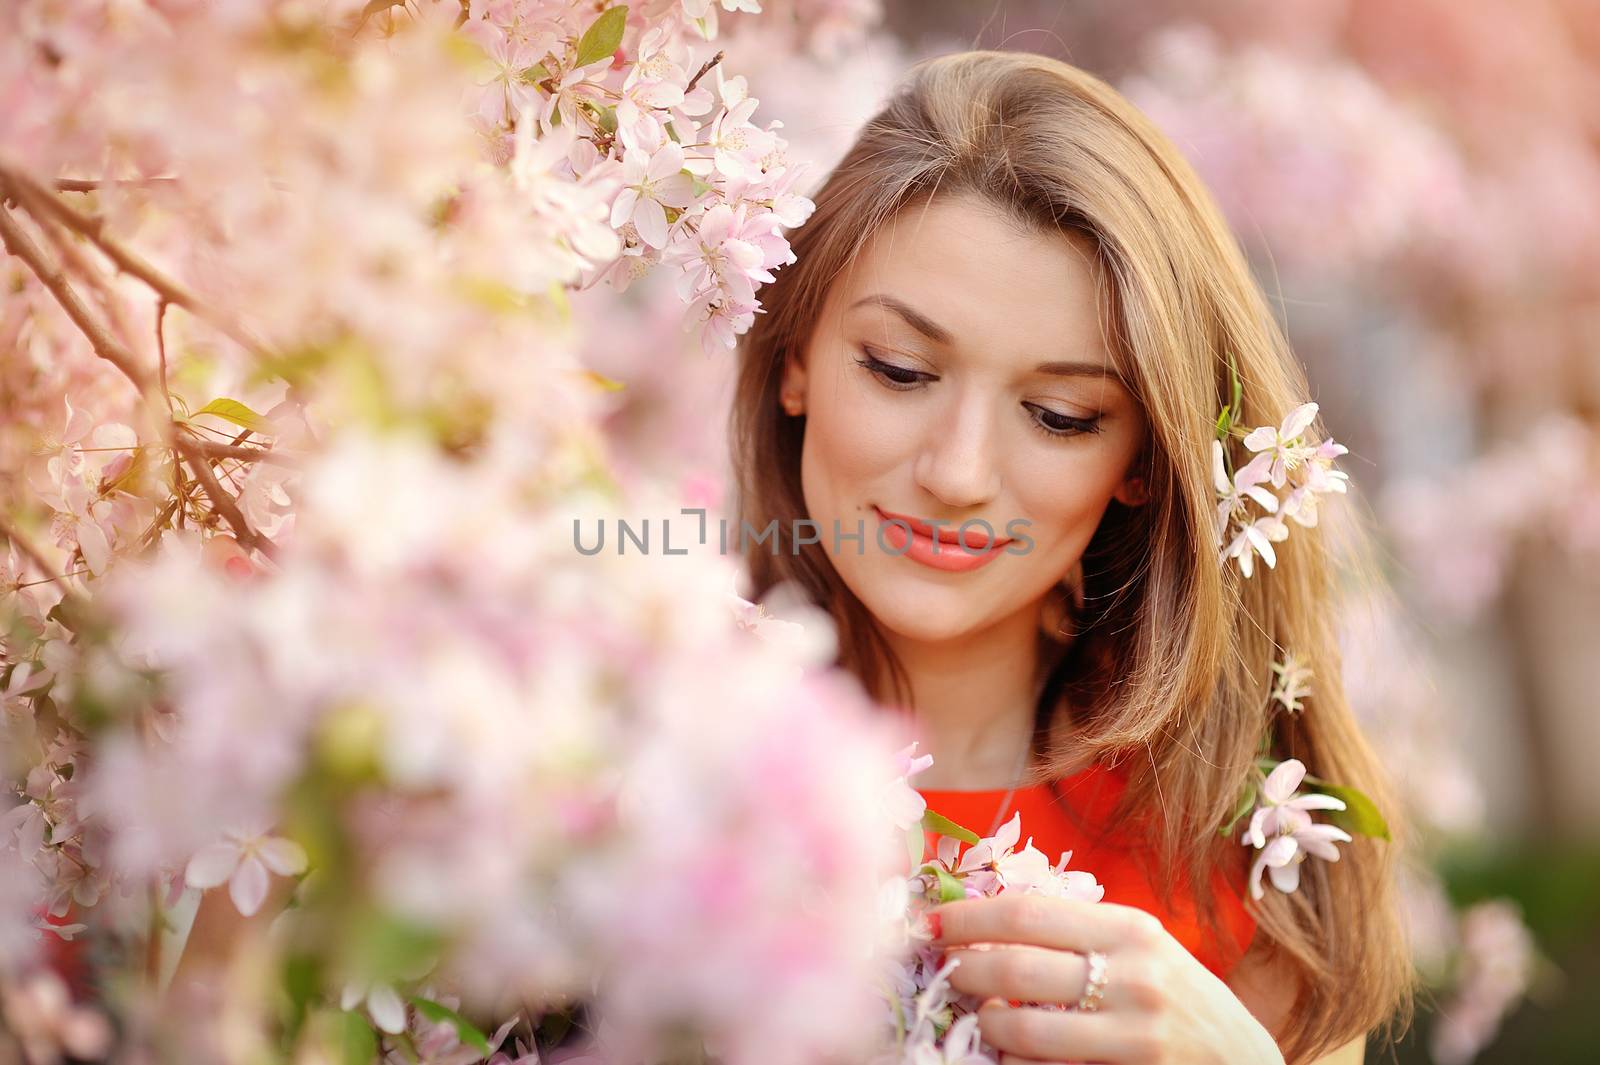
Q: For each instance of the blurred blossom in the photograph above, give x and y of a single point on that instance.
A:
(1460, 532)
(1362, 182)
(1497, 965)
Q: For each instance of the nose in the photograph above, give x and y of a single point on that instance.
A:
(958, 460)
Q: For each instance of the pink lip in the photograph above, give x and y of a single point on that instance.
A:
(951, 551)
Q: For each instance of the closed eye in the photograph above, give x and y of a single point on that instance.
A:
(1052, 424)
(898, 378)
(1056, 424)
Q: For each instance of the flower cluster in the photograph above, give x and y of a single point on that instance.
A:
(291, 455)
(1282, 830)
(930, 1022)
(626, 133)
(1275, 814)
(1283, 458)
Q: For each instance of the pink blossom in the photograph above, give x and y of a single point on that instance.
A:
(505, 94)
(1291, 682)
(722, 254)
(652, 183)
(1283, 443)
(243, 861)
(1282, 829)
(1245, 484)
(737, 146)
(1257, 538)
(39, 1012)
(384, 1005)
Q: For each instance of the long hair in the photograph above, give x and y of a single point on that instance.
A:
(1170, 673)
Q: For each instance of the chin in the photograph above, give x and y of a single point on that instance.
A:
(931, 615)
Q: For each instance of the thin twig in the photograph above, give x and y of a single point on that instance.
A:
(248, 454)
(223, 502)
(161, 353)
(96, 184)
(37, 198)
(713, 61)
(35, 555)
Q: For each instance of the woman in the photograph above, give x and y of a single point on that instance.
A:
(1016, 304)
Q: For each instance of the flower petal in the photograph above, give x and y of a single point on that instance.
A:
(1297, 421)
(212, 865)
(1283, 780)
(1286, 878)
(283, 856)
(387, 1009)
(1316, 800)
(248, 885)
(1261, 438)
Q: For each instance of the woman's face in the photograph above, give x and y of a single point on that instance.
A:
(959, 371)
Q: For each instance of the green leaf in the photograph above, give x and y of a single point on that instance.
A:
(534, 74)
(950, 889)
(945, 827)
(386, 948)
(1238, 389)
(604, 35)
(1224, 424)
(1360, 815)
(239, 414)
(358, 1043)
(302, 980)
(915, 844)
(464, 1028)
(1241, 809)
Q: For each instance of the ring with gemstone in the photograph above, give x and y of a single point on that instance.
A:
(1094, 988)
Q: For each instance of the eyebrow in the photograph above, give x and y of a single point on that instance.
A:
(913, 317)
(939, 334)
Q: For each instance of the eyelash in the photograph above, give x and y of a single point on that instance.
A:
(883, 371)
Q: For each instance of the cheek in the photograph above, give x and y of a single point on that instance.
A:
(853, 440)
(1065, 495)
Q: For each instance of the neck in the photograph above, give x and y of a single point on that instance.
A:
(972, 702)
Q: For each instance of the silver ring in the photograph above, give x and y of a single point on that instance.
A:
(1094, 988)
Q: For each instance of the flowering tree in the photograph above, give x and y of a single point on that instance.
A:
(295, 437)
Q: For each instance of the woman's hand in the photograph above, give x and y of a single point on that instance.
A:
(1159, 1004)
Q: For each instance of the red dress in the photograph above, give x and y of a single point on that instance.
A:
(1121, 864)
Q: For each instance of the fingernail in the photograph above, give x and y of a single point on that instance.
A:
(935, 925)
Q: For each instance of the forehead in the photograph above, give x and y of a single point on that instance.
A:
(994, 286)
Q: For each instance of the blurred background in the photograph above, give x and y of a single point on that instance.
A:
(1418, 184)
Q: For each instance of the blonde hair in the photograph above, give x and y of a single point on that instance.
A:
(1171, 672)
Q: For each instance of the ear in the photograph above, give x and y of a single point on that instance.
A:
(1132, 492)
(793, 385)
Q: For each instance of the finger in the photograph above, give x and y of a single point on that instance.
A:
(1049, 1035)
(1044, 921)
(1022, 973)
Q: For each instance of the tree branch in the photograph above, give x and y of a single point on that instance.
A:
(18, 243)
(247, 454)
(96, 184)
(220, 499)
(705, 69)
(105, 345)
(38, 199)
